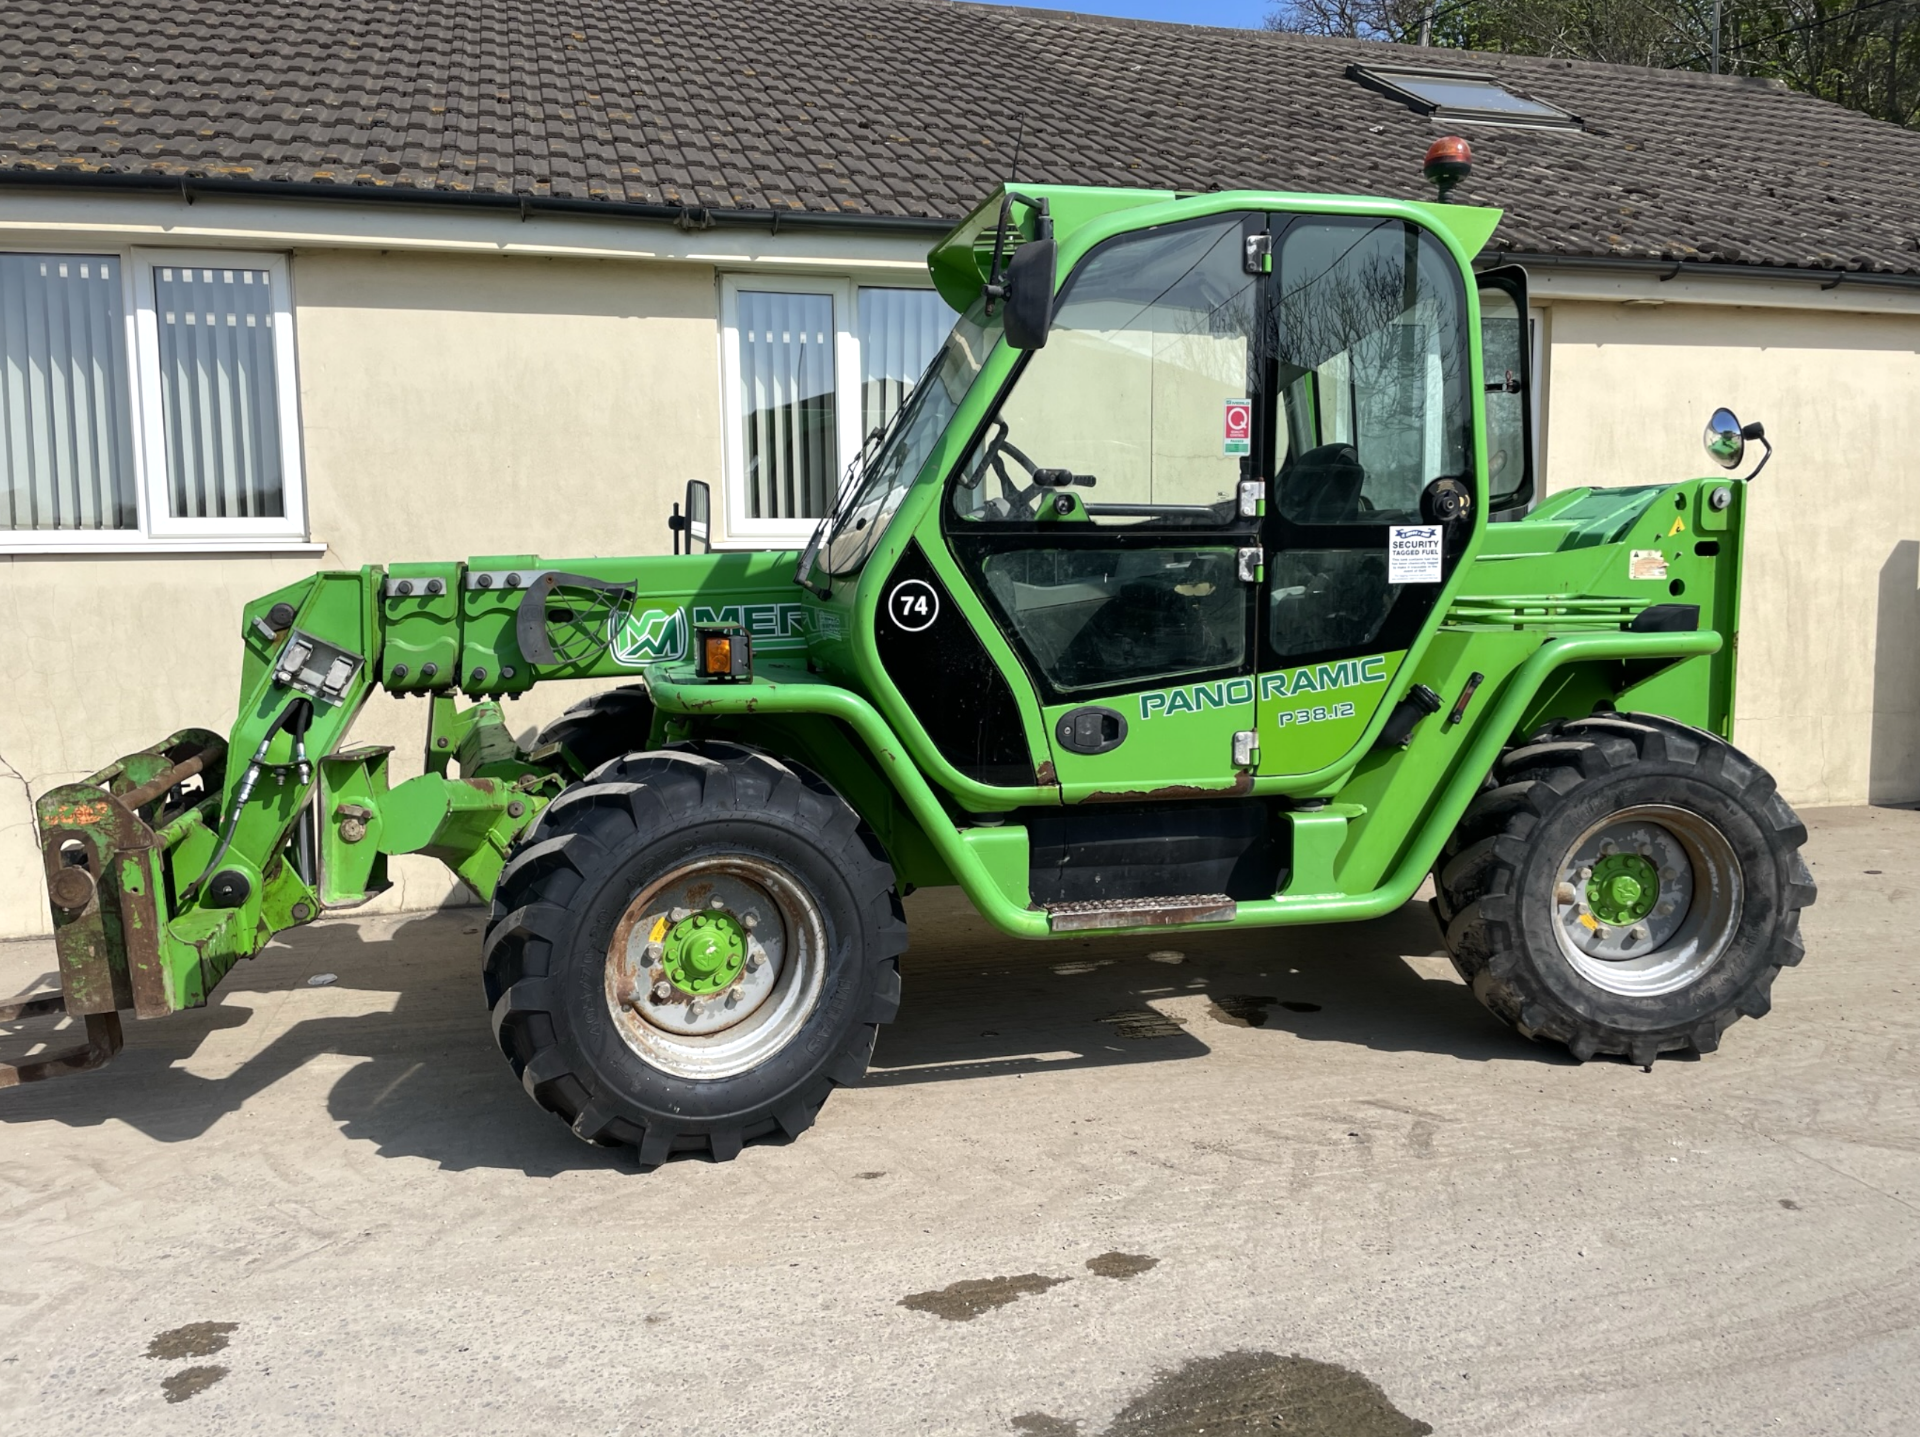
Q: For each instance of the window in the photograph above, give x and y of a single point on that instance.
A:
(1125, 412)
(147, 401)
(812, 368)
(1373, 380)
(1463, 95)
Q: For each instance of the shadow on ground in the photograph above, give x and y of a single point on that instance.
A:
(426, 1080)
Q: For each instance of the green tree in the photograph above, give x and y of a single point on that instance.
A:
(1864, 54)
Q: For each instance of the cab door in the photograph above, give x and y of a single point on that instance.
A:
(1373, 495)
(1108, 519)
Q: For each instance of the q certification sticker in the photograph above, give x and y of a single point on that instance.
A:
(1239, 430)
(1414, 554)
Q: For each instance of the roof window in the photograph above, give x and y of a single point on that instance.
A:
(1463, 95)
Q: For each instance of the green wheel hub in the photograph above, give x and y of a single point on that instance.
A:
(1623, 889)
(704, 952)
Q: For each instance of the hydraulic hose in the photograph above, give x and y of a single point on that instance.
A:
(296, 718)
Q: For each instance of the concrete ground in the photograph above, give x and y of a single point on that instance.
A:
(1294, 1183)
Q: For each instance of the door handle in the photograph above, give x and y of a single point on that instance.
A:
(1091, 729)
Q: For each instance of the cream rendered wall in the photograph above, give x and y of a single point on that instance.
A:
(1829, 671)
(450, 406)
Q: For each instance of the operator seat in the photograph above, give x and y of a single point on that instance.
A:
(1324, 486)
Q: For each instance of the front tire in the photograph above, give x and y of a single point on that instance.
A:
(691, 950)
(1627, 885)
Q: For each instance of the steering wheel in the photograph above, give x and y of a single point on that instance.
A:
(1015, 501)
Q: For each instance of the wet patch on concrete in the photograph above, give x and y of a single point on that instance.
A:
(196, 1339)
(191, 1382)
(1789, 1204)
(1249, 1392)
(966, 1300)
(1301, 1007)
(1144, 1023)
(1241, 1010)
(1121, 1265)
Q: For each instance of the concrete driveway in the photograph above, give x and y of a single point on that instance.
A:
(1293, 1183)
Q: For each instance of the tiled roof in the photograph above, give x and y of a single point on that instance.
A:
(910, 108)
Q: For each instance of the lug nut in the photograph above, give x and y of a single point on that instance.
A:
(1606, 845)
(733, 996)
(680, 915)
(716, 902)
(749, 921)
(653, 952)
(754, 960)
(1586, 873)
(1638, 932)
(662, 992)
(693, 1008)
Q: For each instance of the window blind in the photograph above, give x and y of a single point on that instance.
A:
(66, 414)
(788, 407)
(219, 392)
(900, 332)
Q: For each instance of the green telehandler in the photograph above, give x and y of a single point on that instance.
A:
(1201, 582)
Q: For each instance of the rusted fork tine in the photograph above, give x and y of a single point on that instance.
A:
(103, 1040)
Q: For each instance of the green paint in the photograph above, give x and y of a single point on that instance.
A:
(704, 952)
(1623, 889)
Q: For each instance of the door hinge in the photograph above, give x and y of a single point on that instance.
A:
(1258, 255)
(1253, 498)
(1252, 566)
(1246, 748)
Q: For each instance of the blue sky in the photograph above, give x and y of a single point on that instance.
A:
(1189, 12)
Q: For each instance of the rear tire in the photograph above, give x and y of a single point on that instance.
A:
(606, 1012)
(1625, 884)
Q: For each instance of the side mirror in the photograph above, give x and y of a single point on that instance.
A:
(1726, 444)
(1029, 286)
(696, 524)
(1726, 440)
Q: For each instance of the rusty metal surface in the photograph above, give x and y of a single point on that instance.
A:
(1140, 912)
(1241, 785)
(103, 1041)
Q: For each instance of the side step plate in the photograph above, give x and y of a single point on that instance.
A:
(1141, 912)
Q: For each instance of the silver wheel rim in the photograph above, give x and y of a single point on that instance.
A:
(717, 1034)
(1690, 922)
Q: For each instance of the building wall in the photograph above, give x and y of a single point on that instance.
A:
(450, 406)
(1829, 671)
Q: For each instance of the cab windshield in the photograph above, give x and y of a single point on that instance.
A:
(887, 467)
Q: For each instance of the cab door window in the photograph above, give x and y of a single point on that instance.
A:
(1372, 377)
(1372, 382)
(1099, 510)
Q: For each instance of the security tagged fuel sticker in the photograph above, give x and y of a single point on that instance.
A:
(1413, 554)
(1647, 564)
(1239, 430)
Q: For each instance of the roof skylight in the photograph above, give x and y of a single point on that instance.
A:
(1463, 95)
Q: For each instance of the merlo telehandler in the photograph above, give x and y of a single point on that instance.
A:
(1201, 582)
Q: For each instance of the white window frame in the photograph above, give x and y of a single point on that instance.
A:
(743, 532)
(158, 532)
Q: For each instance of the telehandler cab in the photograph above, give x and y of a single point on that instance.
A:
(1200, 582)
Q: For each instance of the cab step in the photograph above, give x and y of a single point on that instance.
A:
(1140, 912)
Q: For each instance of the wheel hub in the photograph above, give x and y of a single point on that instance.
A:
(1623, 889)
(704, 952)
(1647, 900)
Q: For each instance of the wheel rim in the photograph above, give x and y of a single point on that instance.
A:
(1646, 901)
(714, 968)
